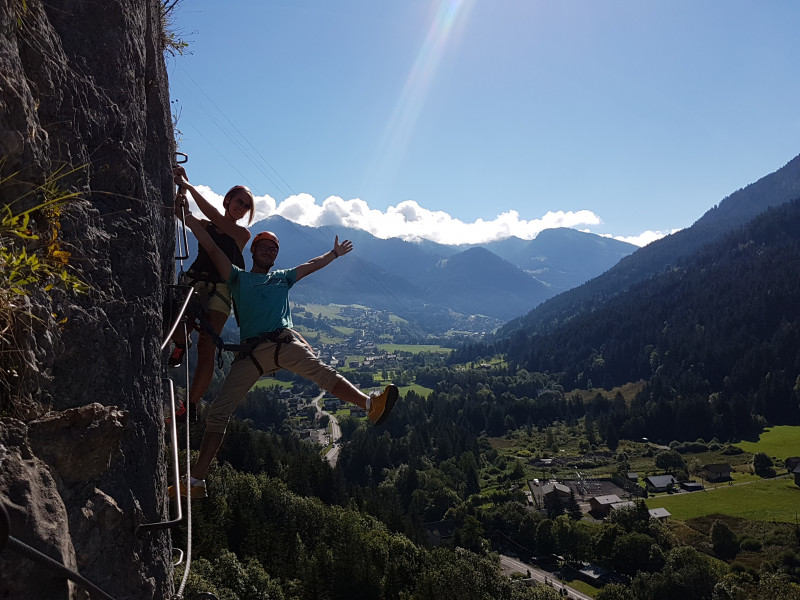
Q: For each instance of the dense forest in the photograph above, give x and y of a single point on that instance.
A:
(281, 523)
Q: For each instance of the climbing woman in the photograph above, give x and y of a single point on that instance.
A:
(213, 295)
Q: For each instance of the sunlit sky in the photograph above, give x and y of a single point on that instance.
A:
(471, 120)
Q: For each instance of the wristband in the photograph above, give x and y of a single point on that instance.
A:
(335, 253)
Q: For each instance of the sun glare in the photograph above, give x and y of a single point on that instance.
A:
(405, 115)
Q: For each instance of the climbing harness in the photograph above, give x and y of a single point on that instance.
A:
(248, 346)
(279, 337)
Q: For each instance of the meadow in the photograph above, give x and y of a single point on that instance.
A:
(414, 348)
(266, 382)
(776, 499)
(781, 442)
(749, 497)
(419, 389)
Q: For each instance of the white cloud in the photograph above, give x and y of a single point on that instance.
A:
(643, 238)
(410, 221)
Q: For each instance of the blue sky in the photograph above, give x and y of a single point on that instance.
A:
(469, 120)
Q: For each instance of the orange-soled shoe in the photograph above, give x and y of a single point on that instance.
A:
(197, 490)
(382, 404)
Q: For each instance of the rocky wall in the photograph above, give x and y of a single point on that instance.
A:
(84, 101)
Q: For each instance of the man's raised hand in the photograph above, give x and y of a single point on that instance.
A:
(343, 248)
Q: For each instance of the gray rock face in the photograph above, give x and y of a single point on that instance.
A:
(37, 516)
(79, 444)
(84, 100)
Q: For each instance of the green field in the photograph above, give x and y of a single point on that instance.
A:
(781, 441)
(313, 336)
(329, 311)
(421, 390)
(414, 348)
(345, 331)
(270, 382)
(775, 499)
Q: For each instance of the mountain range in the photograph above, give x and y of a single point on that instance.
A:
(433, 283)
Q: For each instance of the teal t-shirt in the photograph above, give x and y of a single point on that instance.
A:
(262, 300)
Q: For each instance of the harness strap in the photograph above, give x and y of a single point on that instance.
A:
(252, 343)
(199, 322)
(247, 348)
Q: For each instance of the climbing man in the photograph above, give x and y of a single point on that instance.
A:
(261, 297)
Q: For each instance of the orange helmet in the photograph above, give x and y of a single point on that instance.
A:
(264, 235)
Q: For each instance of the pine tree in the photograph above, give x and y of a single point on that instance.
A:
(573, 508)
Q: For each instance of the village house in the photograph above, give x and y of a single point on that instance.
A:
(717, 472)
(312, 435)
(309, 411)
(441, 532)
(660, 483)
(692, 486)
(659, 514)
(601, 505)
(790, 463)
(557, 490)
(331, 404)
(622, 505)
(592, 574)
(291, 402)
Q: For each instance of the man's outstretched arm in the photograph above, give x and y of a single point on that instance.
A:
(315, 264)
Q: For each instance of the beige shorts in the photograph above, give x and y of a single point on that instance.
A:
(293, 356)
(212, 296)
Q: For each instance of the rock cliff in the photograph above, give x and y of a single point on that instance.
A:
(84, 103)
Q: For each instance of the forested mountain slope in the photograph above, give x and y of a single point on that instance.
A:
(717, 335)
(734, 211)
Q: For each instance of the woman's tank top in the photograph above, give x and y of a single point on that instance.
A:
(203, 268)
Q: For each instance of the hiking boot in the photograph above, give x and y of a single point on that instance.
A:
(198, 490)
(176, 358)
(381, 404)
